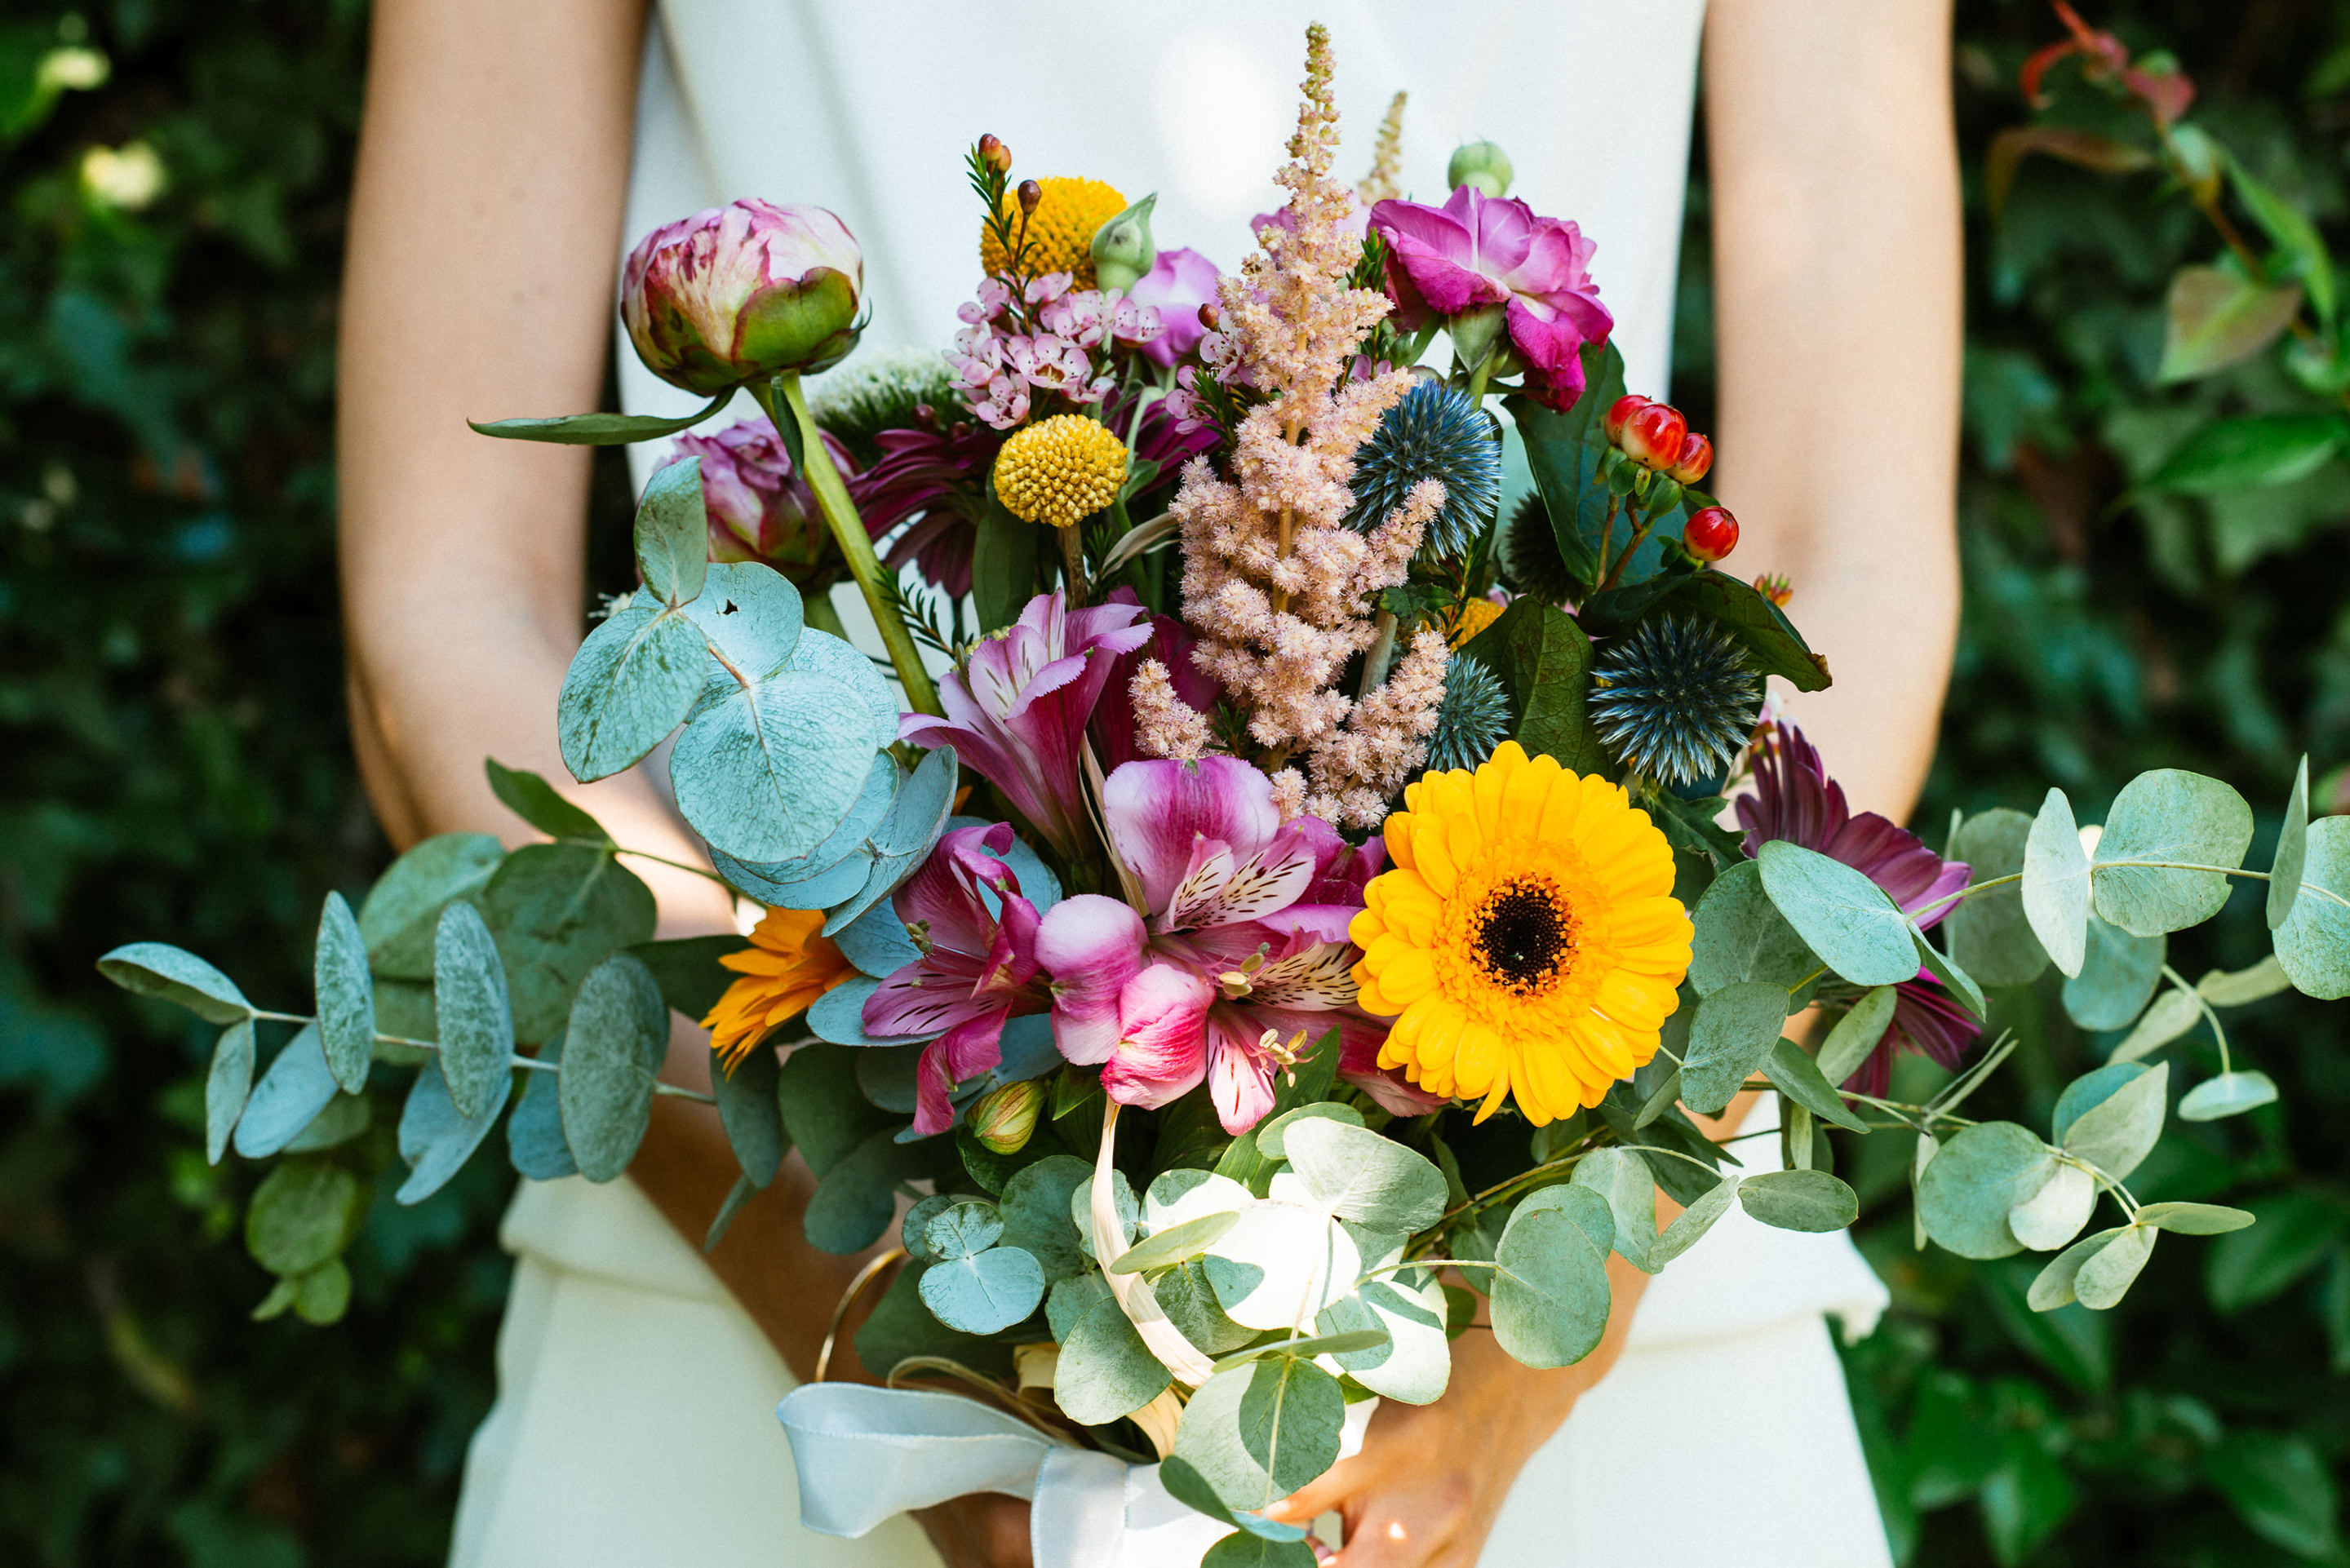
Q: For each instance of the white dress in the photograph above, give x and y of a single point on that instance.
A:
(635, 1419)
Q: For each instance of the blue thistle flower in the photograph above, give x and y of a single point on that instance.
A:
(1436, 433)
(1529, 554)
(1674, 698)
(1474, 717)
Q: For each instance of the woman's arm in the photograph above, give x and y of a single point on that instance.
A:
(1836, 213)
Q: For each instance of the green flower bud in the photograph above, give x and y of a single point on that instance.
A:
(1005, 1119)
(1482, 164)
(1123, 249)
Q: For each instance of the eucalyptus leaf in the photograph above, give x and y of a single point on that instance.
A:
(226, 1083)
(1733, 1031)
(612, 1052)
(2229, 1095)
(1957, 982)
(629, 685)
(324, 1295)
(1794, 1074)
(1799, 1200)
(345, 1118)
(1253, 1549)
(2056, 884)
(2117, 975)
(1258, 1432)
(1176, 1244)
(672, 533)
(1965, 1194)
(1843, 916)
(1035, 1208)
(961, 1230)
(2245, 986)
(1189, 1299)
(1271, 1130)
(770, 771)
(1587, 1205)
(2314, 942)
(2108, 1274)
(1550, 1290)
(401, 911)
(535, 1145)
(1622, 1178)
(161, 970)
(1411, 1359)
(1359, 1174)
(297, 1087)
(2119, 1128)
(304, 1213)
(2173, 1014)
(752, 619)
(1104, 1371)
(2172, 817)
(737, 1198)
(535, 800)
(2054, 1285)
(821, 653)
(473, 1013)
(751, 1114)
(2194, 1219)
(557, 911)
(1190, 1487)
(1689, 1226)
(1280, 1263)
(1740, 937)
(434, 1139)
(687, 969)
(1856, 1033)
(346, 993)
(1990, 936)
(983, 1292)
(854, 1200)
(2291, 849)
(2054, 1215)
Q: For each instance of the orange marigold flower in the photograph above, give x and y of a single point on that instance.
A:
(786, 967)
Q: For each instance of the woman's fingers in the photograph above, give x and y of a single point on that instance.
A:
(1326, 1493)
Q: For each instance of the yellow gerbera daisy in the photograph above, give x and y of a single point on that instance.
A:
(1060, 232)
(786, 967)
(1526, 942)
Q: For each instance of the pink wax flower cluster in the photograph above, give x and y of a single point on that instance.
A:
(759, 507)
(742, 291)
(1049, 339)
(1477, 256)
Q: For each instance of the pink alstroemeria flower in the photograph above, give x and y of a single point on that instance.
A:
(1178, 284)
(1238, 963)
(1796, 801)
(1477, 251)
(1016, 711)
(978, 967)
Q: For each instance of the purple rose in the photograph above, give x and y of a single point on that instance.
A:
(1477, 254)
(741, 291)
(1178, 284)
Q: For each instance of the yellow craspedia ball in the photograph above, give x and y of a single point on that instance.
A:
(1060, 232)
(1060, 469)
(1471, 619)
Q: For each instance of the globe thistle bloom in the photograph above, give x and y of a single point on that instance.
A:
(1435, 432)
(1674, 698)
(1529, 554)
(1474, 719)
(881, 391)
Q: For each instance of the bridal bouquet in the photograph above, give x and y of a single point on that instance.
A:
(1301, 904)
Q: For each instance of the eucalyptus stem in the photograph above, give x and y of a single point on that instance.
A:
(2210, 1014)
(848, 533)
(530, 1063)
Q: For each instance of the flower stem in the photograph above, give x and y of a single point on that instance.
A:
(848, 533)
(1073, 564)
(816, 608)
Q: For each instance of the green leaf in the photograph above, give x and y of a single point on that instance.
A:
(2229, 1095)
(1621, 1179)
(2291, 850)
(1755, 624)
(856, 1198)
(749, 1111)
(1282, 1263)
(2250, 452)
(1035, 1208)
(1689, 1226)
(1005, 566)
(1187, 1297)
(1563, 467)
(2304, 250)
(2115, 1120)
(557, 911)
(1845, 918)
(1742, 938)
(1307, 1345)
(2173, 1016)
(1359, 1174)
(1965, 1194)
(2055, 1286)
(821, 653)
(1550, 1290)
(532, 799)
(672, 533)
(1411, 1360)
(304, 1213)
(1799, 1200)
(297, 1087)
(1190, 1487)
(612, 1052)
(345, 1118)
(1176, 1244)
(1793, 1072)
(985, 1293)
(226, 1084)
(1990, 936)
(2290, 1234)
(2215, 318)
(535, 1145)
(1591, 1210)
(769, 771)
(2194, 1219)
(961, 1230)
(600, 430)
(2106, 1274)
(1104, 1371)
(825, 1113)
(631, 682)
(2280, 1486)
(2116, 975)
(434, 1140)
(2313, 943)
(2168, 815)
(472, 1007)
(737, 1198)
(1731, 1032)
(401, 911)
(2056, 884)
(2054, 1215)
(159, 970)
(1957, 982)
(324, 1295)
(688, 972)
(1272, 1129)
(1258, 1432)
(346, 993)
(1310, 1082)
(1543, 659)
(2245, 986)
(754, 621)
(1856, 1034)
(1248, 1549)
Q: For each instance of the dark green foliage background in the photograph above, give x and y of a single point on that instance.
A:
(174, 763)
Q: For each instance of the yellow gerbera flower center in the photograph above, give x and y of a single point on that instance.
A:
(1060, 470)
(1526, 942)
(1060, 234)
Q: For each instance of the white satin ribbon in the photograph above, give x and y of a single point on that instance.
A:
(865, 1453)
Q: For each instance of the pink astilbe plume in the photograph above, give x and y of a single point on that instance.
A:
(1279, 589)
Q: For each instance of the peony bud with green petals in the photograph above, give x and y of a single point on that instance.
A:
(1482, 164)
(1123, 249)
(1005, 1119)
(743, 292)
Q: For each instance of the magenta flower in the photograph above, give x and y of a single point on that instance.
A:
(1232, 971)
(759, 509)
(1016, 711)
(978, 967)
(1477, 251)
(1178, 284)
(938, 478)
(1796, 801)
(1115, 732)
(741, 291)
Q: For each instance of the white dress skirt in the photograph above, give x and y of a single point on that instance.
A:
(635, 1423)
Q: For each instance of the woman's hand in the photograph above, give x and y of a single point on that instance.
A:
(982, 1530)
(1431, 1479)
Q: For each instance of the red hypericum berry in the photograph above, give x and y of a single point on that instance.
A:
(1711, 532)
(1626, 407)
(1653, 436)
(1696, 457)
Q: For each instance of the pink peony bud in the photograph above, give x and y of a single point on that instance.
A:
(1653, 436)
(742, 291)
(759, 509)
